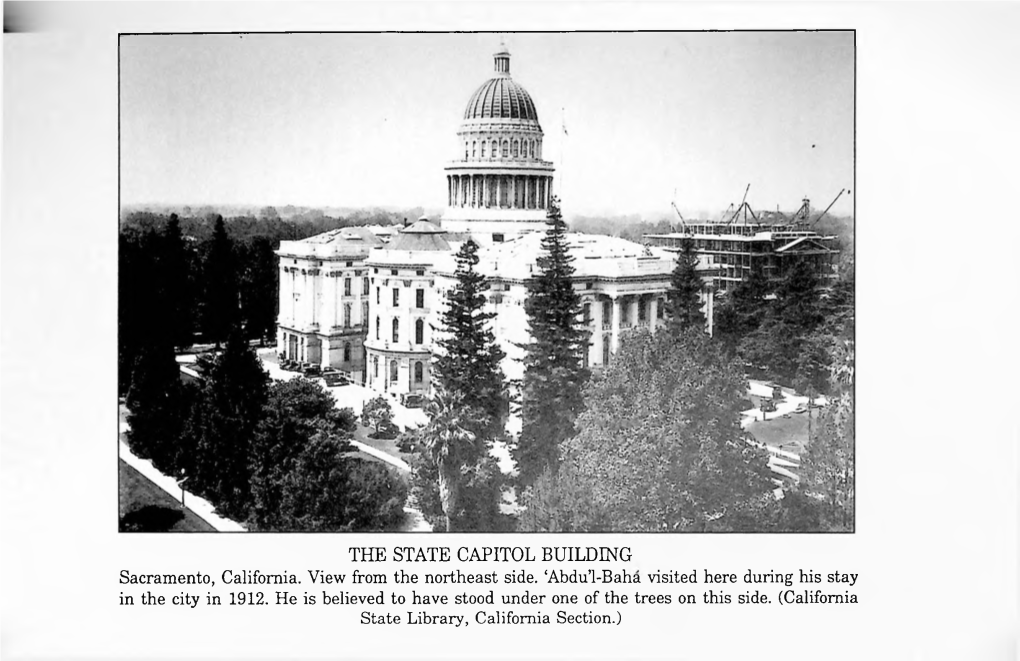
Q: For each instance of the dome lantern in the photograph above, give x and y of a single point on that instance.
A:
(502, 59)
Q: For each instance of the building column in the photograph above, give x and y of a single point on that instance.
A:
(635, 304)
(615, 344)
(598, 318)
(653, 313)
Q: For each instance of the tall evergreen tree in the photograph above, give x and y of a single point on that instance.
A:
(469, 363)
(554, 371)
(220, 309)
(259, 293)
(236, 391)
(156, 406)
(798, 299)
(742, 310)
(684, 296)
(177, 278)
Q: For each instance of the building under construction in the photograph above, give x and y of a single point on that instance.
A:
(744, 240)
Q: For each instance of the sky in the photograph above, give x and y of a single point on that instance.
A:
(358, 120)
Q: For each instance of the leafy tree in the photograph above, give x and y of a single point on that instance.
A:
(562, 502)
(554, 371)
(236, 390)
(377, 412)
(296, 410)
(659, 446)
(328, 491)
(469, 360)
(684, 296)
(156, 405)
(828, 466)
(220, 310)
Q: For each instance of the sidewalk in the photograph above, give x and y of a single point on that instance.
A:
(202, 508)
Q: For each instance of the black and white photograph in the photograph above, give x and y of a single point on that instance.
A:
(489, 282)
(513, 330)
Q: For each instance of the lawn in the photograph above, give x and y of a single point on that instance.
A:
(138, 492)
(785, 433)
(361, 434)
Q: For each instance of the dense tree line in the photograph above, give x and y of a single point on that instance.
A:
(176, 289)
(275, 455)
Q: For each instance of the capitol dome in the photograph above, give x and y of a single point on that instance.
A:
(500, 97)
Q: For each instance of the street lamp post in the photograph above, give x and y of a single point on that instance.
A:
(180, 483)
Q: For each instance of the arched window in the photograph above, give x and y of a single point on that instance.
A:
(506, 149)
(419, 331)
(483, 148)
(474, 149)
(532, 149)
(419, 372)
(347, 352)
(495, 147)
(364, 316)
(466, 150)
(515, 147)
(375, 367)
(393, 371)
(347, 315)
(396, 329)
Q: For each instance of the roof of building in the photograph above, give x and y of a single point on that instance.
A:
(595, 256)
(345, 241)
(421, 236)
(501, 97)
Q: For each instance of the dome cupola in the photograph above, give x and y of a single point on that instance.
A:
(500, 97)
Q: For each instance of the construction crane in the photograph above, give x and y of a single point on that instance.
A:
(804, 212)
(745, 207)
(841, 191)
(683, 223)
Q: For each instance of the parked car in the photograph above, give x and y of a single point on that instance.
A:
(412, 400)
(334, 378)
(311, 370)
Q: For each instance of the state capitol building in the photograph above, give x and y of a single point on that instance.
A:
(367, 300)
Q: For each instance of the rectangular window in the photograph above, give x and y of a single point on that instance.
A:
(393, 271)
(419, 298)
(347, 286)
(497, 238)
(641, 310)
(396, 297)
(378, 295)
(364, 286)
(419, 272)
(396, 330)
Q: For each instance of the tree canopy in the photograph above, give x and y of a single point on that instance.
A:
(658, 446)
